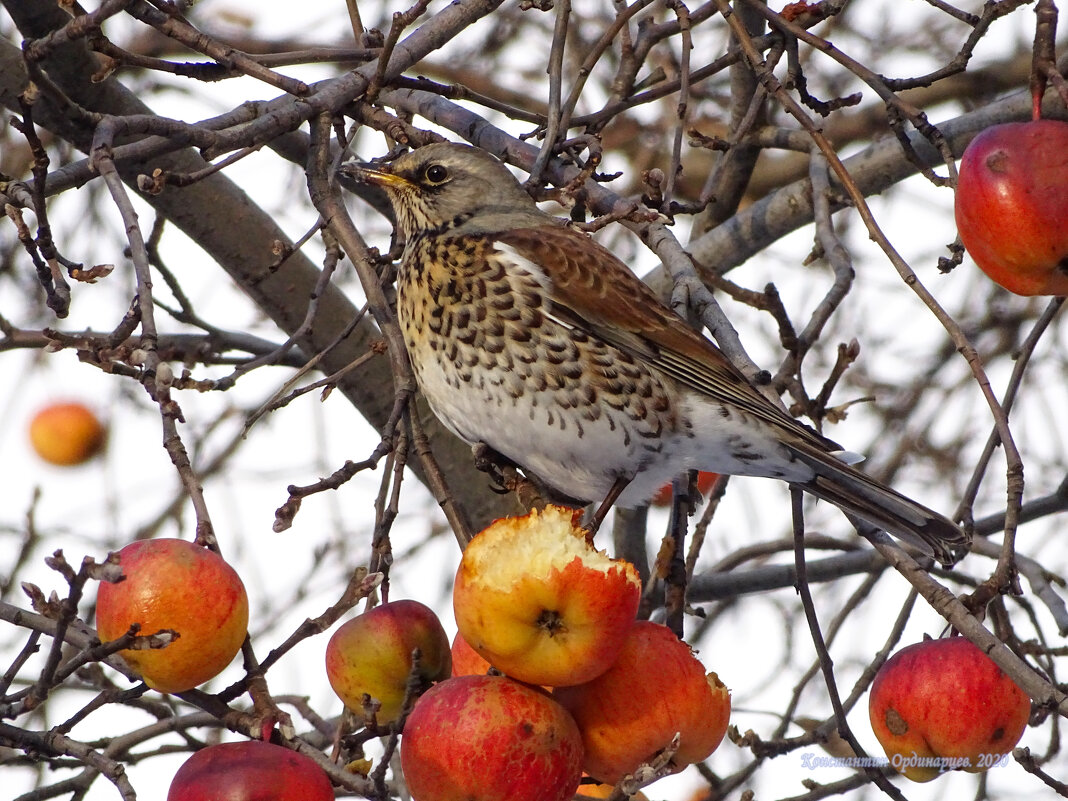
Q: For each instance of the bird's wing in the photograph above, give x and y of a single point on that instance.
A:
(595, 292)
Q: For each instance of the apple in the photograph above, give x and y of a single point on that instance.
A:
(705, 480)
(174, 584)
(540, 603)
(656, 687)
(602, 790)
(942, 704)
(66, 434)
(1012, 203)
(372, 655)
(466, 661)
(250, 771)
(489, 738)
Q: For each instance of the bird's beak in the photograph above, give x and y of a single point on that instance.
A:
(373, 174)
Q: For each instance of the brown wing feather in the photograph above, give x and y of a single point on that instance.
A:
(595, 291)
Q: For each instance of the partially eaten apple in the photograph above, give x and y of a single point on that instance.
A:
(540, 603)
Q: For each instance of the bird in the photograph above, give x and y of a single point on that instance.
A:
(528, 337)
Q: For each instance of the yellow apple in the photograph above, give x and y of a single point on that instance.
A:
(540, 603)
(586, 792)
(372, 655)
(66, 434)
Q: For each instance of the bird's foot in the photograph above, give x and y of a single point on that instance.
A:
(505, 477)
(501, 471)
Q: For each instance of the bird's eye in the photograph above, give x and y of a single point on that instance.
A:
(436, 174)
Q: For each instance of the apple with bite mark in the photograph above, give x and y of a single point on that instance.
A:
(540, 603)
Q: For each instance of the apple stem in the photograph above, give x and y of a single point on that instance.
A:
(1043, 53)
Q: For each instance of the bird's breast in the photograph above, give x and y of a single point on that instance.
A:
(497, 368)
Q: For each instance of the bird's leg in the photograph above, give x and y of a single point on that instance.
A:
(505, 477)
(494, 465)
(614, 492)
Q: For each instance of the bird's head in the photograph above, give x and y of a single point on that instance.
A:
(440, 185)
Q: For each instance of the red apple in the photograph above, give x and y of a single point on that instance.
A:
(249, 771)
(488, 738)
(540, 603)
(174, 584)
(656, 687)
(941, 704)
(466, 661)
(1012, 203)
(372, 655)
(66, 434)
(705, 480)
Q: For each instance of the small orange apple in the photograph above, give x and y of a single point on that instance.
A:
(656, 687)
(705, 480)
(1012, 203)
(250, 771)
(174, 584)
(466, 661)
(943, 704)
(488, 738)
(540, 603)
(602, 790)
(66, 434)
(372, 655)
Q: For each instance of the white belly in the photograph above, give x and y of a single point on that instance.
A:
(583, 458)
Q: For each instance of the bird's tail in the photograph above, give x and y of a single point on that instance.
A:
(858, 494)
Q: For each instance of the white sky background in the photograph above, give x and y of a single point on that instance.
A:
(89, 510)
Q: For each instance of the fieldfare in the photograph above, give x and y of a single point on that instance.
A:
(529, 337)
